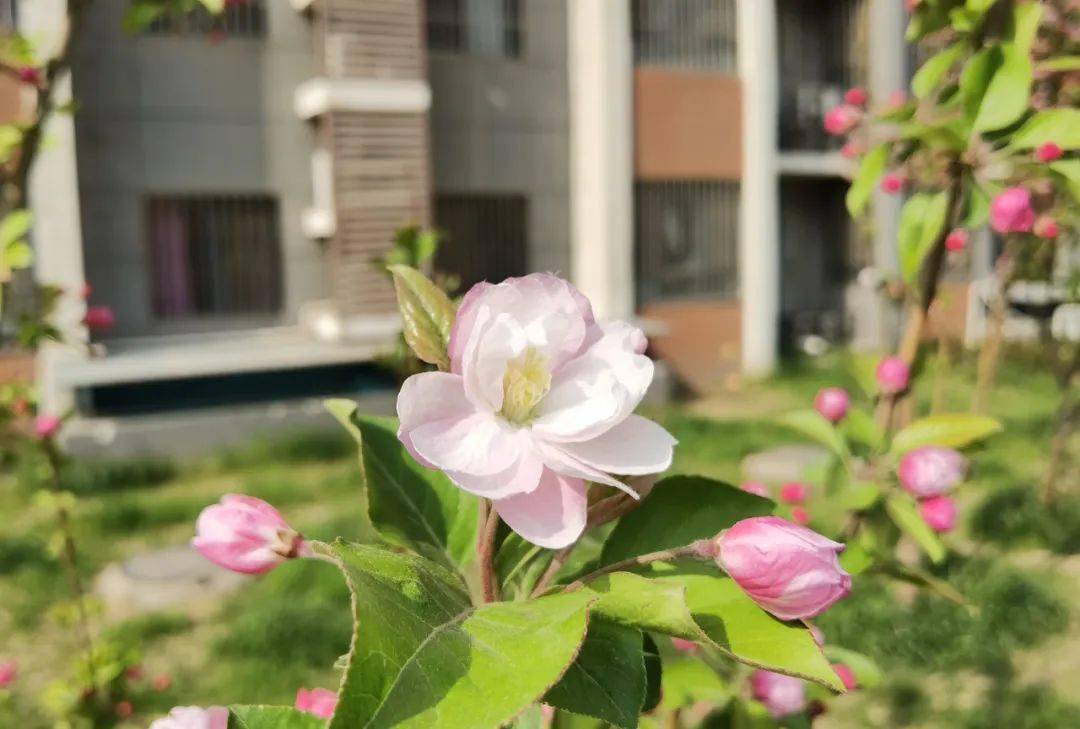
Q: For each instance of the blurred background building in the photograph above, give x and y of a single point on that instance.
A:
(226, 182)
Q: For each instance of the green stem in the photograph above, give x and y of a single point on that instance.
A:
(701, 549)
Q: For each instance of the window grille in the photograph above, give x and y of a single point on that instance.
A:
(214, 255)
(480, 27)
(686, 239)
(485, 236)
(240, 19)
(693, 34)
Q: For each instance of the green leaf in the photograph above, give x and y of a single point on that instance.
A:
(978, 206)
(607, 679)
(1060, 126)
(654, 672)
(1007, 96)
(423, 656)
(921, 222)
(859, 426)
(1061, 63)
(814, 426)
(867, 674)
(855, 560)
(408, 504)
(638, 602)
(975, 79)
(905, 514)
(213, 6)
(1026, 17)
(948, 430)
(687, 681)
(272, 717)
(18, 255)
(15, 226)
(1070, 170)
(140, 14)
(678, 511)
(866, 179)
(928, 77)
(427, 315)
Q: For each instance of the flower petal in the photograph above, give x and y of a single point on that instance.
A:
(634, 447)
(558, 460)
(478, 443)
(553, 516)
(428, 397)
(520, 478)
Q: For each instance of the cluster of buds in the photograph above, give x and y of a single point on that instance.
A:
(929, 474)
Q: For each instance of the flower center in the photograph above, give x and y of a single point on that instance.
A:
(525, 383)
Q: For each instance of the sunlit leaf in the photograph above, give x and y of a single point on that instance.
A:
(948, 430)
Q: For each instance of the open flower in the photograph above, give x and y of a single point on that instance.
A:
(782, 695)
(539, 401)
(194, 717)
(931, 471)
(789, 570)
(318, 701)
(246, 534)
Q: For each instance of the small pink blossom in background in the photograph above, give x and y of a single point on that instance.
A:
(840, 120)
(8, 671)
(86, 292)
(30, 75)
(892, 182)
(318, 701)
(931, 471)
(794, 492)
(782, 695)
(133, 673)
(851, 150)
(246, 534)
(686, 646)
(788, 570)
(538, 402)
(1048, 152)
(892, 375)
(1011, 212)
(800, 515)
(124, 709)
(194, 717)
(898, 98)
(846, 675)
(832, 403)
(1046, 227)
(162, 682)
(756, 488)
(956, 240)
(856, 96)
(939, 512)
(99, 318)
(47, 426)
(912, 5)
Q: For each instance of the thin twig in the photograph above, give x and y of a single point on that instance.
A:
(701, 549)
(552, 569)
(488, 584)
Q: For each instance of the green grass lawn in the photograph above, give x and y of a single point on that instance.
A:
(950, 666)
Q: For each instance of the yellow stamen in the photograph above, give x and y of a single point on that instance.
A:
(525, 383)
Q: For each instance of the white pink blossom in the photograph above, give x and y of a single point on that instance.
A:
(246, 534)
(782, 695)
(194, 717)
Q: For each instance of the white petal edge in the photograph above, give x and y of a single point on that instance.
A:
(634, 447)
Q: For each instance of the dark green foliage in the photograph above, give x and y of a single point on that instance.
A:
(1015, 516)
(1029, 707)
(138, 631)
(93, 477)
(322, 444)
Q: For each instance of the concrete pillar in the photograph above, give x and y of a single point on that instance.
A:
(888, 73)
(759, 202)
(54, 201)
(601, 154)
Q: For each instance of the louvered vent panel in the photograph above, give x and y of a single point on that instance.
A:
(374, 39)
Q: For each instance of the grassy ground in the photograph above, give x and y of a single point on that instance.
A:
(1016, 660)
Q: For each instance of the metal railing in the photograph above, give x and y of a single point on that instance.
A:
(480, 27)
(239, 20)
(686, 239)
(485, 236)
(691, 34)
(213, 255)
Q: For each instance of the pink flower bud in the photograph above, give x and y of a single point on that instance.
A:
(782, 695)
(1046, 227)
(30, 75)
(134, 672)
(8, 671)
(319, 701)
(931, 471)
(1049, 152)
(1010, 212)
(99, 318)
(832, 403)
(124, 709)
(46, 426)
(939, 512)
(756, 487)
(86, 292)
(846, 675)
(856, 96)
(892, 375)
(956, 240)
(892, 182)
(840, 120)
(851, 150)
(800, 515)
(193, 717)
(788, 570)
(162, 682)
(686, 646)
(912, 5)
(793, 493)
(245, 534)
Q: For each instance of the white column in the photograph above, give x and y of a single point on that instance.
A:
(759, 200)
(888, 60)
(54, 201)
(601, 154)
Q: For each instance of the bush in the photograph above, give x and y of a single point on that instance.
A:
(1016, 515)
(95, 477)
(296, 447)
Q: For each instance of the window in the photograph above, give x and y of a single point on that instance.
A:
(485, 236)
(8, 16)
(214, 255)
(241, 19)
(480, 27)
(695, 34)
(686, 239)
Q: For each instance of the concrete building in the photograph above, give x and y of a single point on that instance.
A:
(226, 182)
